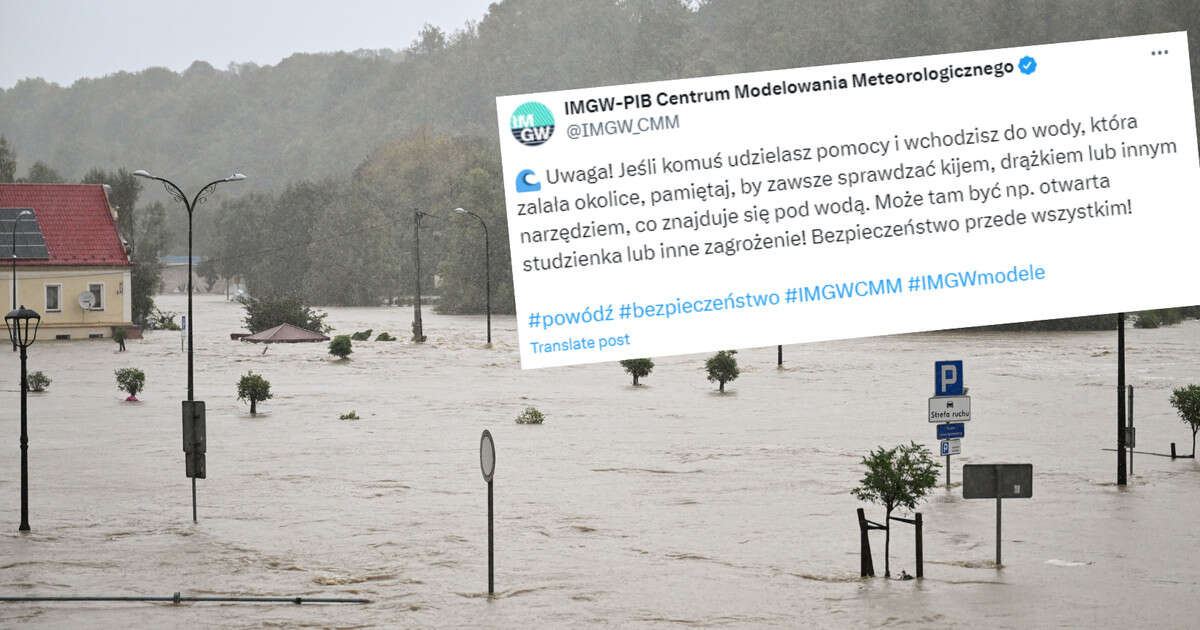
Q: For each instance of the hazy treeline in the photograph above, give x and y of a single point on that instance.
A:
(350, 241)
(342, 147)
(316, 115)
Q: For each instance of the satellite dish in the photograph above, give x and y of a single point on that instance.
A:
(86, 300)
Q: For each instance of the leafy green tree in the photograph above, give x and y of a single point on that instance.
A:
(638, 368)
(8, 162)
(153, 239)
(130, 380)
(340, 347)
(124, 190)
(722, 367)
(270, 311)
(896, 477)
(42, 173)
(463, 267)
(1186, 401)
(253, 387)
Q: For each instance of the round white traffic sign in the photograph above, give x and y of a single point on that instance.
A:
(487, 456)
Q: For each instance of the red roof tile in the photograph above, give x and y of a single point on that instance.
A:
(76, 222)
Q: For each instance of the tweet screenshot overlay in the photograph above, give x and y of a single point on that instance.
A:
(852, 200)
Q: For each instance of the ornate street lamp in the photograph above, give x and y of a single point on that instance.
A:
(177, 194)
(487, 269)
(18, 322)
(16, 221)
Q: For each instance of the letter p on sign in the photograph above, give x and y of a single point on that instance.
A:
(947, 378)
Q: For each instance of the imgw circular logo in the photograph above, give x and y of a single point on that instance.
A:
(532, 124)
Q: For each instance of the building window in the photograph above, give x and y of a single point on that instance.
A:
(53, 298)
(97, 291)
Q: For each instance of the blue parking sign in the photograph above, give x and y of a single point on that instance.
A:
(947, 378)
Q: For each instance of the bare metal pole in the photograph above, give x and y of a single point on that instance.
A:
(24, 449)
(491, 563)
(1121, 478)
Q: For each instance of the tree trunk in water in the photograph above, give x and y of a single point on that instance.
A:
(1193, 445)
(635, 379)
(253, 406)
(722, 386)
(887, 543)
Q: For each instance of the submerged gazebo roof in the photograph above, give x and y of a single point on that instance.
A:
(285, 333)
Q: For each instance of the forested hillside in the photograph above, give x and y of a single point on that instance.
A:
(313, 116)
(341, 148)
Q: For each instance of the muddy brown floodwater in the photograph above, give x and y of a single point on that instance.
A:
(664, 505)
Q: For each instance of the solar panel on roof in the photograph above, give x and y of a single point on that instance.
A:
(28, 235)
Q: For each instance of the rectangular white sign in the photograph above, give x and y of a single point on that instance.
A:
(951, 447)
(853, 200)
(949, 408)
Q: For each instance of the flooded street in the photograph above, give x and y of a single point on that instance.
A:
(664, 505)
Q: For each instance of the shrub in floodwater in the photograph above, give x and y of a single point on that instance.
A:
(384, 336)
(130, 380)
(340, 346)
(253, 387)
(531, 416)
(722, 367)
(362, 335)
(896, 477)
(38, 381)
(638, 368)
(1186, 400)
(349, 416)
(269, 311)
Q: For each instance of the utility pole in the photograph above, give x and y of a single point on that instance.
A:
(418, 332)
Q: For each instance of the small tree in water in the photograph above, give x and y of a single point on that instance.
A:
(638, 368)
(896, 477)
(340, 346)
(131, 380)
(253, 387)
(722, 367)
(1186, 401)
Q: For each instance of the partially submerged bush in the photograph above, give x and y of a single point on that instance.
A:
(340, 346)
(253, 387)
(638, 368)
(130, 380)
(349, 416)
(38, 381)
(722, 367)
(531, 416)
(362, 335)
(383, 336)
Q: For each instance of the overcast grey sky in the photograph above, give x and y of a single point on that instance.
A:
(64, 40)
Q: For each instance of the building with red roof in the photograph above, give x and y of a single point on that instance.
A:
(72, 264)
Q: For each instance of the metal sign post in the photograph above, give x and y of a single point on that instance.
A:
(1129, 438)
(194, 445)
(487, 463)
(949, 406)
(998, 481)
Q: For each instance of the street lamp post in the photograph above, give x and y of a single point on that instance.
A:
(177, 194)
(417, 326)
(487, 269)
(16, 220)
(17, 323)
